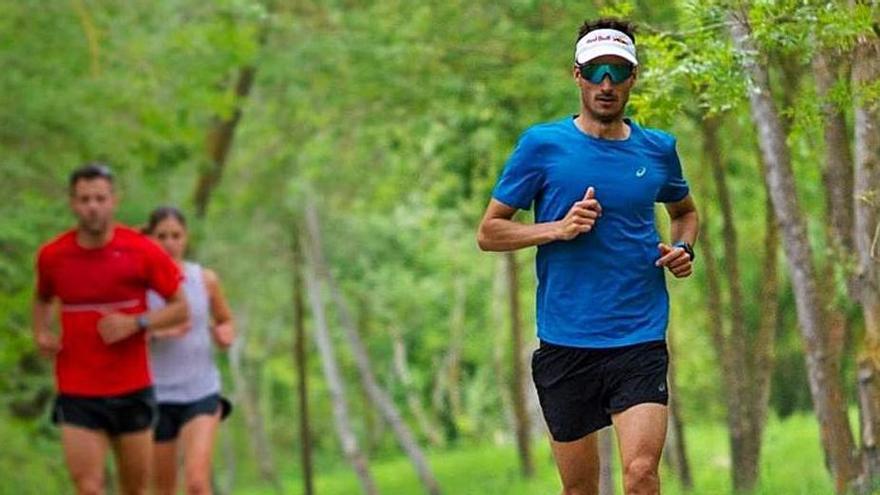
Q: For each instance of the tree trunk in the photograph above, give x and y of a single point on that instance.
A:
(300, 363)
(219, 141)
(866, 70)
(764, 348)
(252, 416)
(837, 177)
(823, 370)
(438, 393)
(745, 439)
(401, 369)
(714, 305)
(341, 416)
(219, 138)
(498, 323)
(518, 392)
(456, 338)
(375, 428)
(746, 362)
(729, 345)
(606, 462)
(838, 172)
(676, 450)
(379, 397)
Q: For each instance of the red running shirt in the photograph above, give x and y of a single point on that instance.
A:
(90, 283)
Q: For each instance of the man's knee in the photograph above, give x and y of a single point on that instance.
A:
(579, 491)
(640, 476)
(583, 486)
(89, 485)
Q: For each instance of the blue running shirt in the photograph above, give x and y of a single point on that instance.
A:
(600, 289)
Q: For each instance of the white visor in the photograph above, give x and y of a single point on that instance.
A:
(605, 42)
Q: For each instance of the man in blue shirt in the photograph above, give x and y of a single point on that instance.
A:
(602, 304)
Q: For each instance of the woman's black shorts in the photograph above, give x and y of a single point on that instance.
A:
(172, 416)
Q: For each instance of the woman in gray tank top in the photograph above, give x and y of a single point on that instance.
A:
(185, 378)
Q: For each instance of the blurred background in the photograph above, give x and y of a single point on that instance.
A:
(334, 159)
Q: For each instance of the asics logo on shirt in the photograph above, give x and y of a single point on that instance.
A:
(641, 171)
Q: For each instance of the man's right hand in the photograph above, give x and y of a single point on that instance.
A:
(581, 217)
(48, 343)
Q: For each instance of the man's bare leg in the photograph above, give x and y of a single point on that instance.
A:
(578, 465)
(641, 432)
(134, 454)
(165, 467)
(84, 452)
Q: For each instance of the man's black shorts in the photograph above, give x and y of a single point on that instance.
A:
(172, 416)
(579, 389)
(115, 415)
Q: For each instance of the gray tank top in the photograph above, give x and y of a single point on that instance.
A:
(183, 367)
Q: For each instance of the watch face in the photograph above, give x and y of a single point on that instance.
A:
(687, 248)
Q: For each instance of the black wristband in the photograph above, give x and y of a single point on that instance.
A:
(687, 248)
(143, 323)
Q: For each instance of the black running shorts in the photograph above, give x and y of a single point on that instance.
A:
(115, 415)
(580, 388)
(173, 416)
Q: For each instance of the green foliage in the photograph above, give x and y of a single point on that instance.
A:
(397, 117)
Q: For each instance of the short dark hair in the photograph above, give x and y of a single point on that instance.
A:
(625, 27)
(90, 171)
(161, 213)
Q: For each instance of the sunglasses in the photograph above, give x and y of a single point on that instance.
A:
(595, 73)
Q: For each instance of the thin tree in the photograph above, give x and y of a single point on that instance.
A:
(865, 71)
(221, 133)
(456, 340)
(246, 398)
(676, 444)
(498, 322)
(413, 401)
(837, 177)
(518, 392)
(300, 362)
(745, 357)
(380, 398)
(837, 174)
(823, 370)
(341, 416)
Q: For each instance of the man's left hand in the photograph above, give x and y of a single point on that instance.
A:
(676, 259)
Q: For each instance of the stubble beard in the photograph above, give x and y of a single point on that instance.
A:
(600, 116)
(94, 227)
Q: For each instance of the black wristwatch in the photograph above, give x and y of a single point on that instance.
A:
(687, 248)
(143, 322)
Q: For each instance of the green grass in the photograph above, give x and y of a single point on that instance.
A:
(792, 464)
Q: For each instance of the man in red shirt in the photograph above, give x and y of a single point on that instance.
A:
(99, 273)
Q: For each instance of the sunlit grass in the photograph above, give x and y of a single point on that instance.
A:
(792, 463)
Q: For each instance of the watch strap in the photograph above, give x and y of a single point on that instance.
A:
(143, 322)
(687, 248)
